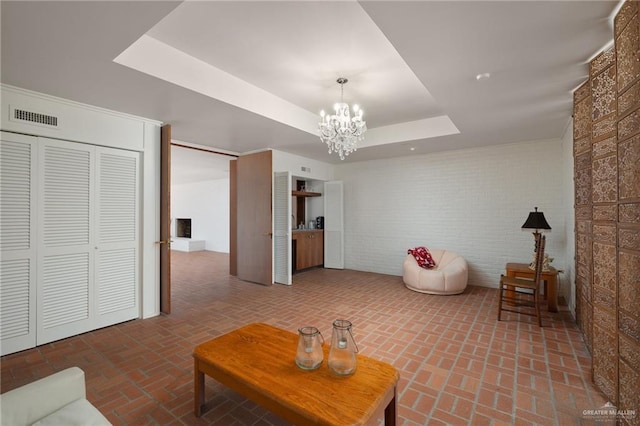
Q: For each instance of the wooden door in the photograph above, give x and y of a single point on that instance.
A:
(165, 219)
(254, 232)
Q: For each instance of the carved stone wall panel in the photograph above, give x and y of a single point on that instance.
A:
(629, 282)
(627, 45)
(604, 128)
(586, 324)
(628, 99)
(602, 61)
(605, 213)
(629, 382)
(605, 299)
(629, 351)
(583, 161)
(629, 125)
(583, 226)
(583, 187)
(605, 362)
(603, 93)
(604, 266)
(582, 119)
(604, 233)
(583, 248)
(605, 147)
(629, 325)
(605, 180)
(584, 276)
(582, 145)
(604, 318)
(584, 212)
(629, 168)
(629, 213)
(622, 19)
(629, 238)
(581, 92)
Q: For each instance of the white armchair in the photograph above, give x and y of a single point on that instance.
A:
(58, 399)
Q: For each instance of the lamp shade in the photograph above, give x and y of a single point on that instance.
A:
(536, 221)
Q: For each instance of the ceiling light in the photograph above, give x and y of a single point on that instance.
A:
(340, 131)
(412, 148)
(483, 76)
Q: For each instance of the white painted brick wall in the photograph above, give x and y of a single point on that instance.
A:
(471, 201)
(207, 204)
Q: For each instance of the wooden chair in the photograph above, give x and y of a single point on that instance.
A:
(521, 295)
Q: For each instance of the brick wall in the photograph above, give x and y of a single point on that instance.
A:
(471, 201)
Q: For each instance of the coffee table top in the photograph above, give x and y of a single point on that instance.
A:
(262, 358)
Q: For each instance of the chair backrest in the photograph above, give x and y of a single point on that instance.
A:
(539, 257)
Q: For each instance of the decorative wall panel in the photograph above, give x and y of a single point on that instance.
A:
(605, 180)
(628, 161)
(627, 50)
(608, 220)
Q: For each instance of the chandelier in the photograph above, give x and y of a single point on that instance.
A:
(340, 131)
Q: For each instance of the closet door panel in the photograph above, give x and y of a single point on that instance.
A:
(117, 236)
(66, 250)
(18, 172)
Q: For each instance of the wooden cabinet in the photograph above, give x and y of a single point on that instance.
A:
(309, 249)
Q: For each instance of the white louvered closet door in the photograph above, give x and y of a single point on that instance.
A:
(117, 239)
(17, 242)
(282, 227)
(66, 241)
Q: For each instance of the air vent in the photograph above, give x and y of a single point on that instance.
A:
(25, 116)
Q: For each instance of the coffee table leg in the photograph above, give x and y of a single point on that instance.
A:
(198, 389)
(390, 413)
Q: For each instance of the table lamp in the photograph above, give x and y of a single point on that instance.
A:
(537, 222)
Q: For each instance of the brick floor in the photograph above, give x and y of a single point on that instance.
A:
(458, 365)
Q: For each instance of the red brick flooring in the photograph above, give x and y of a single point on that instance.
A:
(458, 365)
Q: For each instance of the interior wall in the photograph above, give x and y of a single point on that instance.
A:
(207, 204)
(471, 201)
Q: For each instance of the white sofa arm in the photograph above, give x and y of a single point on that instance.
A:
(31, 402)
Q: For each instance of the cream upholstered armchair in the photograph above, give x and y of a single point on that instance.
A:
(449, 276)
(58, 399)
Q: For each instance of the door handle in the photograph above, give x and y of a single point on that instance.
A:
(268, 234)
(168, 242)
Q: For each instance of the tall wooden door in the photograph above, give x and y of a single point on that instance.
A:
(254, 232)
(165, 219)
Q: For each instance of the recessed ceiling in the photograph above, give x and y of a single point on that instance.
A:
(243, 76)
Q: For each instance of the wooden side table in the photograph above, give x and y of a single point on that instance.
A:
(550, 277)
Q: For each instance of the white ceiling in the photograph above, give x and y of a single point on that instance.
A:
(241, 76)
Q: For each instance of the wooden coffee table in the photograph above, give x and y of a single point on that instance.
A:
(258, 361)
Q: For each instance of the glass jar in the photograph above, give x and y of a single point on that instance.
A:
(342, 354)
(309, 355)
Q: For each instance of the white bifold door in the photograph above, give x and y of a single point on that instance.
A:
(17, 243)
(282, 227)
(84, 209)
